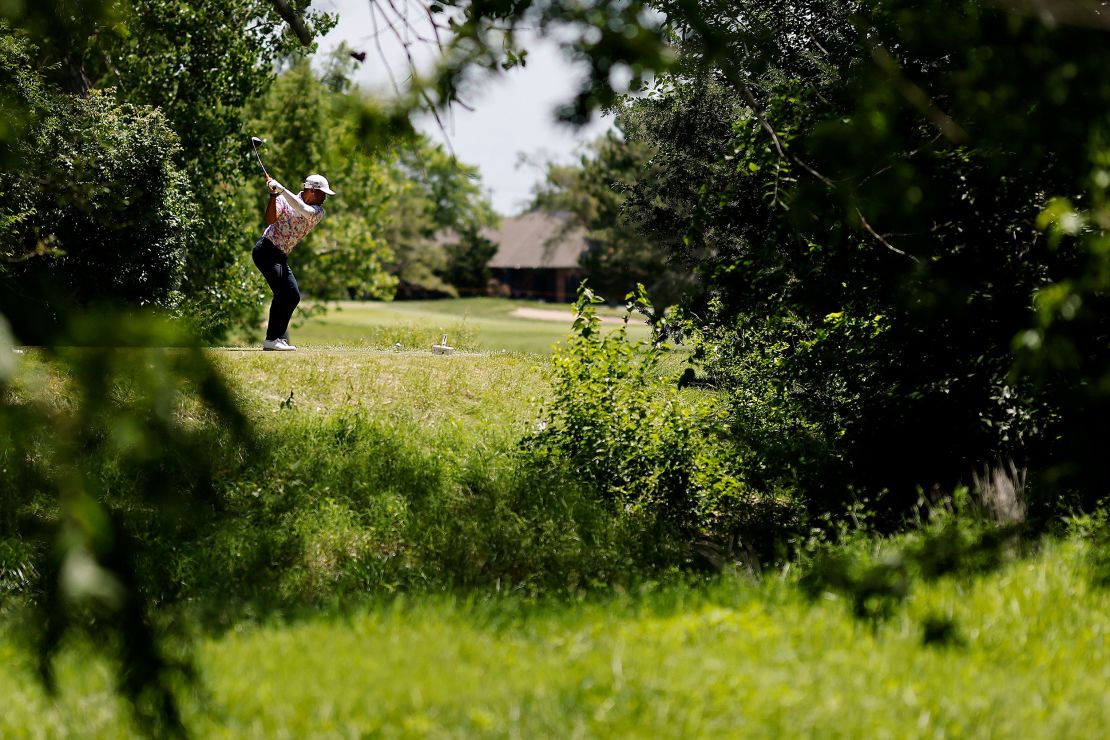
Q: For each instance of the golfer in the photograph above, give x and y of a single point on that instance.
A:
(289, 217)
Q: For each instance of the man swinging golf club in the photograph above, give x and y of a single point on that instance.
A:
(289, 217)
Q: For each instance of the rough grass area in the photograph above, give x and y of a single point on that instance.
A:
(374, 472)
(489, 394)
(1029, 659)
(382, 563)
(472, 324)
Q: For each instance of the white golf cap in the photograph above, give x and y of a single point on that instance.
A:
(318, 182)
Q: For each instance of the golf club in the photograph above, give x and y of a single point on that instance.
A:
(255, 143)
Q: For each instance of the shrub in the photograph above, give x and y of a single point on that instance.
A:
(621, 426)
(96, 208)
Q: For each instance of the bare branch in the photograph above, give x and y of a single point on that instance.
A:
(918, 97)
(880, 239)
(907, 155)
(381, 52)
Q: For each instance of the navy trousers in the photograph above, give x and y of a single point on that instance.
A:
(274, 266)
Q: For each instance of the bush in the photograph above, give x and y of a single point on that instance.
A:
(622, 428)
(96, 208)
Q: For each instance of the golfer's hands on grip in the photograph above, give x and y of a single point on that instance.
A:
(274, 186)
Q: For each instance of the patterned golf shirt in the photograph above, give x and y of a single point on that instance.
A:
(291, 226)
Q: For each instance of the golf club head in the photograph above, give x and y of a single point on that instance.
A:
(255, 143)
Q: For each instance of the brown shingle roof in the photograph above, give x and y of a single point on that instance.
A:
(536, 239)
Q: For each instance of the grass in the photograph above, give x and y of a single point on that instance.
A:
(384, 566)
(732, 659)
(472, 324)
(495, 393)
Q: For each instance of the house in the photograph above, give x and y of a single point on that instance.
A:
(537, 257)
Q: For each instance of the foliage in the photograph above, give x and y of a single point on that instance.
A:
(479, 38)
(593, 192)
(818, 158)
(84, 480)
(97, 211)
(198, 69)
(614, 422)
(862, 293)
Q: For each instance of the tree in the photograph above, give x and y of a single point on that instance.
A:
(864, 218)
(593, 191)
(436, 225)
(97, 210)
(198, 63)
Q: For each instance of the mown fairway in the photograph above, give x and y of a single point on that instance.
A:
(478, 324)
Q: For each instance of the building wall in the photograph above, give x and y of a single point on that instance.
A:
(559, 285)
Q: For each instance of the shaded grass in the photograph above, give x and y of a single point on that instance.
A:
(387, 472)
(728, 659)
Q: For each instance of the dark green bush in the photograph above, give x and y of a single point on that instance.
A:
(95, 208)
(891, 304)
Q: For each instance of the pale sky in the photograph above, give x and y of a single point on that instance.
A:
(514, 114)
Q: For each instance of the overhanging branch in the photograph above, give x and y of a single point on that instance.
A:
(295, 21)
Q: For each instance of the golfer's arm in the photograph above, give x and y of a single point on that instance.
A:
(295, 202)
(271, 211)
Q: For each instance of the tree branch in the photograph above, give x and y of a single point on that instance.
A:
(880, 239)
(295, 22)
(918, 97)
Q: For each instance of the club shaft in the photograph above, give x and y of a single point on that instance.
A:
(259, 158)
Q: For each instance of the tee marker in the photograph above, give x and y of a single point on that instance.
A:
(442, 348)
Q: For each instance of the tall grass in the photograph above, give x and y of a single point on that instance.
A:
(369, 475)
(384, 559)
(350, 506)
(732, 659)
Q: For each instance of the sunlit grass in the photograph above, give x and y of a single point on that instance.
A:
(474, 324)
(733, 659)
(433, 390)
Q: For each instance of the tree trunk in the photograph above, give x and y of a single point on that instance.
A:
(73, 78)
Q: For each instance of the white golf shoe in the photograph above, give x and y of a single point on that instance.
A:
(277, 345)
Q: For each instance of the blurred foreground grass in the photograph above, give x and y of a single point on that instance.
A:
(734, 659)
